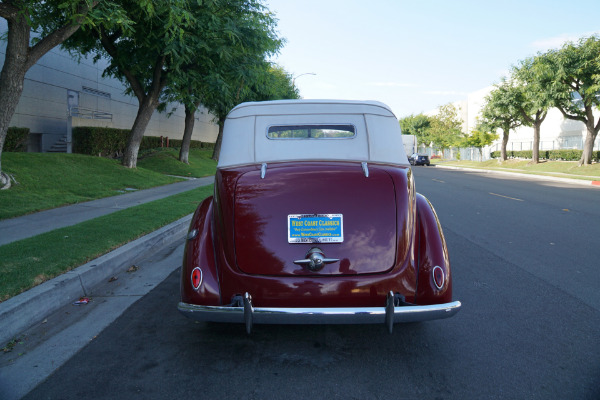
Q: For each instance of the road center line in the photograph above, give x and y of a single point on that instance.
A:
(437, 180)
(506, 197)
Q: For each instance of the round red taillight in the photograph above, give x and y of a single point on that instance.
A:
(196, 278)
(439, 277)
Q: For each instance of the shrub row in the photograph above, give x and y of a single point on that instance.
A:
(16, 139)
(111, 142)
(194, 144)
(563, 155)
(99, 141)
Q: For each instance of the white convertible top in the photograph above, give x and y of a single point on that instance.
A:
(377, 132)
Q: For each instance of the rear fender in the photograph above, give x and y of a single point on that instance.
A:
(431, 253)
(199, 253)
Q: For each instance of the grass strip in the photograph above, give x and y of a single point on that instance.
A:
(564, 169)
(29, 262)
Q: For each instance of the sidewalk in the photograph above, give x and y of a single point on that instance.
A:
(26, 309)
(30, 225)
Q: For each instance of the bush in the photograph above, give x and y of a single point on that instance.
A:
(552, 155)
(194, 144)
(565, 155)
(111, 142)
(98, 141)
(16, 139)
(152, 142)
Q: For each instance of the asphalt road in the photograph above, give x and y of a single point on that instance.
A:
(525, 264)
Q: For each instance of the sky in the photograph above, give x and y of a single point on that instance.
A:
(417, 55)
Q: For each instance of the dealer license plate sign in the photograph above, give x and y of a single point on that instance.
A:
(315, 228)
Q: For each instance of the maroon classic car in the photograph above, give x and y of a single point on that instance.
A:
(315, 220)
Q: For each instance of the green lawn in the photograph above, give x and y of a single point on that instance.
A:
(166, 161)
(50, 180)
(29, 262)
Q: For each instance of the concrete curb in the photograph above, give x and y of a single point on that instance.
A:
(532, 176)
(26, 309)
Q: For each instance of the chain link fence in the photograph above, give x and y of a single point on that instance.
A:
(474, 154)
(470, 153)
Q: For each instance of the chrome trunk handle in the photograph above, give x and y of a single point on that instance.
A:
(315, 259)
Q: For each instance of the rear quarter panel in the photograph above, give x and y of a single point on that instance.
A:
(431, 250)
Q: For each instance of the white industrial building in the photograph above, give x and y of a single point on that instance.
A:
(60, 90)
(556, 131)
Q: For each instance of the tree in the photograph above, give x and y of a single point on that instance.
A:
(53, 21)
(268, 82)
(499, 112)
(480, 137)
(242, 73)
(275, 83)
(233, 40)
(145, 60)
(445, 129)
(533, 97)
(575, 71)
(417, 125)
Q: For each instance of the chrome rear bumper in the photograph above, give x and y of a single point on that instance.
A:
(388, 315)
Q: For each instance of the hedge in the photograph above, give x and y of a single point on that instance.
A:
(99, 141)
(111, 142)
(562, 155)
(16, 139)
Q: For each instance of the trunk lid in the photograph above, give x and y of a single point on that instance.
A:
(368, 215)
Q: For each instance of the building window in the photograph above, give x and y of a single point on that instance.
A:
(95, 92)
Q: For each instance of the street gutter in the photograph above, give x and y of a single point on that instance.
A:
(21, 312)
(582, 182)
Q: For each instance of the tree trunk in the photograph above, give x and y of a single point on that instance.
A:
(217, 149)
(504, 144)
(187, 134)
(590, 138)
(535, 158)
(12, 76)
(145, 111)
(540, 116)
(148, 104)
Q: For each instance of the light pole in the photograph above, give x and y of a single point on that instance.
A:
(298, 76)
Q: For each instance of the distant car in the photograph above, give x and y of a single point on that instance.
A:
(419, 159)
(315, 220)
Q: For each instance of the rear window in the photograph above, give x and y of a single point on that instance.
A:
(311, 132)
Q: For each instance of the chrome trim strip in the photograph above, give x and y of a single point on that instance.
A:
(365, 168)
(332, 315)
(263, 170)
